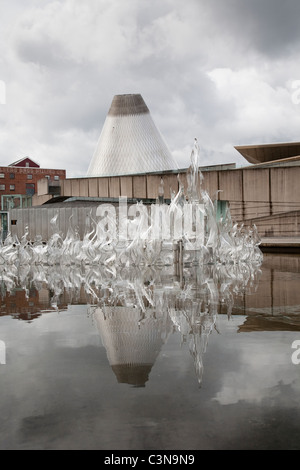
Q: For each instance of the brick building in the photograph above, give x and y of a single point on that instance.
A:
(18, 183)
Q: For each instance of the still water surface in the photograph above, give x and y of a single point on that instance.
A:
(66, 380)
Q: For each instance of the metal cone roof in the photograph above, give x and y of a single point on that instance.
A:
(130, 143)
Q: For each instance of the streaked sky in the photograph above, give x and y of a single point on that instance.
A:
(224, 71)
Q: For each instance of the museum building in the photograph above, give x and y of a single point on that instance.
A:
(132, 160)
(18, 184)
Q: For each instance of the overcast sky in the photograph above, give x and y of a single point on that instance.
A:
(224, 71)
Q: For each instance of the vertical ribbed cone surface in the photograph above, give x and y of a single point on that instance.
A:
(130, 142)
(131, 348)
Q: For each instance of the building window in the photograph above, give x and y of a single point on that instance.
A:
(2, 187)
(12, 187)
(27, 164)
(12, 176)
(29, 177)
(30, 189)
(47, 176)
(2, 175)
(56, 177)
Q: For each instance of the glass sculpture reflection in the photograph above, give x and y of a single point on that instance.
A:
(145, 272)
(137, 308)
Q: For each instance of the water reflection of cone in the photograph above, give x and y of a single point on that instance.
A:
(129, 142)
(131, 346)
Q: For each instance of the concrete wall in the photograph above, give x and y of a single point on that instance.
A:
(43, 186)
(210, 183)
(114, 186)
(253, 193)
(285, 189)
(256, 193)
(139, 186)
(92, 187)
(38, 220)
(39, 200)
(136, 186)
(103, 189)
(278, 225)
(231, 189)
(126, 186)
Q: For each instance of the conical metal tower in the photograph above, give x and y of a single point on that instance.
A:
(130, 143)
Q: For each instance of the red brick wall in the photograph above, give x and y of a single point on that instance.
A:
(19, 177)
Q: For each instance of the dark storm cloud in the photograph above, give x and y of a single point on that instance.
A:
(218, 70)
(269, 26)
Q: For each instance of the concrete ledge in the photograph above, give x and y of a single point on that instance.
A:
(283, 244)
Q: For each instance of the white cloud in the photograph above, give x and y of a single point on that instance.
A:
(262, 361)
(262, 112)
(200, 73)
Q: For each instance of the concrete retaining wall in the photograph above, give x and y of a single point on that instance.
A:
(38, 220)
(278, 225)
(252, 193)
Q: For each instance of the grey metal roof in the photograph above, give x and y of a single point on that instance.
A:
(130, 143)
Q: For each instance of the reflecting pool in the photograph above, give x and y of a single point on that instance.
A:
(136, 367)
